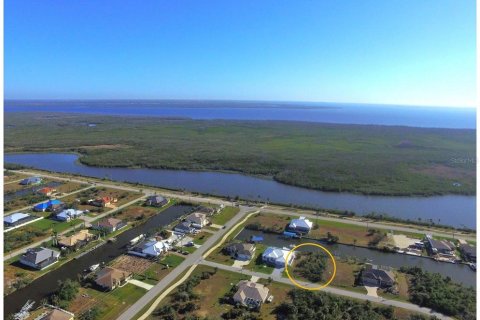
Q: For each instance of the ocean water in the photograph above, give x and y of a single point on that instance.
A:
(344, 113)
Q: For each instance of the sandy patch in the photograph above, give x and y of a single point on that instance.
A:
(402, 241)
(240, 263)
(372, 291)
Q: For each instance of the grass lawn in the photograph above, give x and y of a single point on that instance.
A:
(218, 256)
(225, 215)
(210, 291)
(257, 264)
(201, 237)
(111, 304)
(37, 231)
(58, 226)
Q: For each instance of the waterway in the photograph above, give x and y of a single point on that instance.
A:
(44, 286)
(459, 273)
(454, 210)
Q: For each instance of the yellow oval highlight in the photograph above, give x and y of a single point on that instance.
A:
(318, 246)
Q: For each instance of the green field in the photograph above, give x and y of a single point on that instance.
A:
(225, 215)
(364, 159)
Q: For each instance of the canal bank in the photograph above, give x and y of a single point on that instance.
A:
(459, 273)
(44, 286)
(454, 210)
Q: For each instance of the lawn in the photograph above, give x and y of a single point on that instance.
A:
(201, 237)
(225, 215)
(210, 291)
(386, 160)
(111, 304)
(256, 264)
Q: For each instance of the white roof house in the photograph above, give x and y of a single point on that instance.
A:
(301, 224)
(276, 256)
(13, 218)
(68, 214)
(150, 248)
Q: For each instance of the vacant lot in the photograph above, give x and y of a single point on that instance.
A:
(225, 215)
(136, 212)
(36, 231)
(110, 304)
(332, 157)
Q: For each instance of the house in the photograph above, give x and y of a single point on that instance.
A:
(250, 294)
(110, 224)
(197, 220)
(375, 276)
(47, 191)
(68, 214)
(77, 240)
(240, 251)
(469, 252)
(276, 257)
(110, 278)
(51, 205)
(439, 246)
(103, 201)
(15, 219)
(39, 258)
(183, 227)
(156, 201)
(31, 181)
(301, 225)
(55, 313)
(150, 248)
(207, 210)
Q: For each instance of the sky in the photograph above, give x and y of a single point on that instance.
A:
(414, 52)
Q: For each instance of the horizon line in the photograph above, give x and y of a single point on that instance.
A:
(237, 100)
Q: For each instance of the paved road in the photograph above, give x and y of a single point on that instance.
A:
(341, 292)
(376, 225)
(272, 209)
(189, 263)
(85, 218)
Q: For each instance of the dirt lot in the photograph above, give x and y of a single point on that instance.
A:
(136, 212)
(131, 264)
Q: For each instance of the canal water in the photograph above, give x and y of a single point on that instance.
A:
(47, 284)
(457, 272)
(454, 210)
(23, 192)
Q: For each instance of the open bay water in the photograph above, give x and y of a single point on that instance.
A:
(321, 112)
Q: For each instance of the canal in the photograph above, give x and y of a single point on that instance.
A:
(454, 210)
(44, 286)
(459, 273)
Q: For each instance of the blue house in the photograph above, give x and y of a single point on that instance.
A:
(31, 181)
(50, 205)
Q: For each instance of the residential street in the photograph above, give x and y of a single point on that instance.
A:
(272, 209)
(341, 292)
(189, 262)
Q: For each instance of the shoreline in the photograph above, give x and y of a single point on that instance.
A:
(325, 212)
(226, 171)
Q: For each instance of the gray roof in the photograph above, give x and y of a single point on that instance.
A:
(156, 199)
(241, 248)
(385, 276)
(37, 255)
(468, 249)
(15, 217)
(440, 245)
(183, 225)
(250, 290)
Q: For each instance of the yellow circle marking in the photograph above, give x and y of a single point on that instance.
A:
(315, 245)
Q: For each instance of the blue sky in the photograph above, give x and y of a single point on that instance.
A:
(419, 52)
